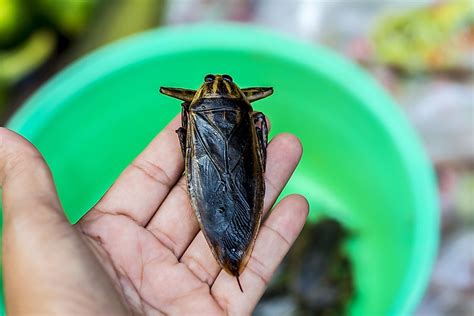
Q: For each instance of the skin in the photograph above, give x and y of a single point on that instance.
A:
(139, 250)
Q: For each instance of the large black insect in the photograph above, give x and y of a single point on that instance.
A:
(224, 148)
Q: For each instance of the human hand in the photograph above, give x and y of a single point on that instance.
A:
(139, 250)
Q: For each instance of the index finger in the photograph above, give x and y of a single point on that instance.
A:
(143, 185)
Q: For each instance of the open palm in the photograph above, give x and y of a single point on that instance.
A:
(139, 250)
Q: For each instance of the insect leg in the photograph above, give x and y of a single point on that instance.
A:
(262, 134)
(183, 129)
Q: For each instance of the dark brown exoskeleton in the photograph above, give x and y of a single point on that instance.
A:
(224, 148)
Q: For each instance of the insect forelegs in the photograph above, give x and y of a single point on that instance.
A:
(262, 135)
(183, 129)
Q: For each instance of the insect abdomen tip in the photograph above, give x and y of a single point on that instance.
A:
(238, 282)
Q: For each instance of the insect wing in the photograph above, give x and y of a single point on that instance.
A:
(225, 179)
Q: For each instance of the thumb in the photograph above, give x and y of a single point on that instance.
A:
(32, 221)
(29, 194)
(47, 265)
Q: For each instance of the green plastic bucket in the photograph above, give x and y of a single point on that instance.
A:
(362, 162)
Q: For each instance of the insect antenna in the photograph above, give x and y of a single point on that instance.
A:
(238, 282)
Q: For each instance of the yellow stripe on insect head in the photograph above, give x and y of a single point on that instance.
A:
(228, 88)
(214, 86)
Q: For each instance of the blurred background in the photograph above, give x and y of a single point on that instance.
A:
(421, 51)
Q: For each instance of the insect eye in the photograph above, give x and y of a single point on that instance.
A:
(209, 78)
(227, 78)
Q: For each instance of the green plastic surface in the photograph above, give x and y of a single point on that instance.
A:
(362, 162)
